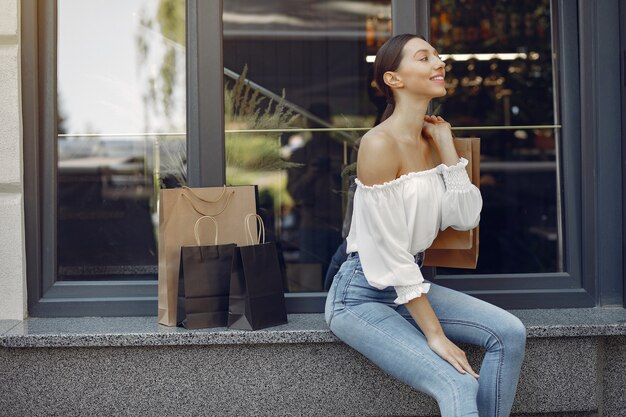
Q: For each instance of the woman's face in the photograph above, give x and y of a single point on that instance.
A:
(421, 72)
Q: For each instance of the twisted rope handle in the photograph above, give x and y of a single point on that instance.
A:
(230, 195)
(202, 199)
(247, 222)
(195, 228)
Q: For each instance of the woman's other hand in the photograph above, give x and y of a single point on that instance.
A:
(436, 129)
(443, 347)
(440, 132)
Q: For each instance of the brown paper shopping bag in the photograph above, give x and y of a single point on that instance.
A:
(179, 209)
(459, 248)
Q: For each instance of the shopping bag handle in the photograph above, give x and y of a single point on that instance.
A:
(185, 187)
(195, 228)
(204, 214)
(247, 222)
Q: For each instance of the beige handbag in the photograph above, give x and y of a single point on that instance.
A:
(456, 248)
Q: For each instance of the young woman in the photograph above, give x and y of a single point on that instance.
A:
(411, 183)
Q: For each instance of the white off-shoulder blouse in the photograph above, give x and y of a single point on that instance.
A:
(393, 221)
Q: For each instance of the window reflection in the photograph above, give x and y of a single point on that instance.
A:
(121, 101)
(316, 52)
(315, 190)
(520, 222)
(499, 73)
(121, 94)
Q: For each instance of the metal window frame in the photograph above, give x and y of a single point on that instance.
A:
(590, 204)
(601, 119)
(622, 49)
(205, 82)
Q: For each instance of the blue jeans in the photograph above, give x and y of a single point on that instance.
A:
(368, 320)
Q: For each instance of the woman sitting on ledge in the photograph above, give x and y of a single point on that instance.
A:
(411, 183)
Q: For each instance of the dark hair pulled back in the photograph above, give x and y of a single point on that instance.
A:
(388, 58)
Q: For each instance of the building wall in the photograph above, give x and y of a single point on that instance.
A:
(13, 303)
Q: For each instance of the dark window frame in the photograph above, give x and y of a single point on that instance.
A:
(622, 48)
(601, 119)
(585, 197)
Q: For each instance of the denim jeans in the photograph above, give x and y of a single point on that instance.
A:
(368, 320)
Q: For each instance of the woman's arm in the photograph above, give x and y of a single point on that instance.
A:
(462, 203)
(423, 314)
(377, 162)
(420, 308)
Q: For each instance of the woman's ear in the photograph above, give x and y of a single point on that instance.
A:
(391, 79)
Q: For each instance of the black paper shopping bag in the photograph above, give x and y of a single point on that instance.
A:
(204, 283)
(257, 297)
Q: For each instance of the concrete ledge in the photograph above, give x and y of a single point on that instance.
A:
(134, 366)
(302, 328)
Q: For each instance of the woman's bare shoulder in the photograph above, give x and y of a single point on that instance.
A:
(377, 159)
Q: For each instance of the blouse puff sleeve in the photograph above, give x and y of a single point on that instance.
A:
(461, 202)
(386, 259)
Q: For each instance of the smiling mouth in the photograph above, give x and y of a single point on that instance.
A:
(437, 78)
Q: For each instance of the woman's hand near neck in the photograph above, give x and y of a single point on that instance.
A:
(440, 131)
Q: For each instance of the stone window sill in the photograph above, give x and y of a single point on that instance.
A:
(302, 328)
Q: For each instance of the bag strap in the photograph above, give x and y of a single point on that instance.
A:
(230, 195)
(185, 187)
(195, 228)
(247, 223)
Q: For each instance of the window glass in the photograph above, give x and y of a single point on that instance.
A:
(313, 59)
(121, 124)
(499, 74)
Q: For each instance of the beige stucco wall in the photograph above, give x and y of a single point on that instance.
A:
(13, 303)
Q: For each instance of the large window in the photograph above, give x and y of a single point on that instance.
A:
(127, 99)
(499, 73)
